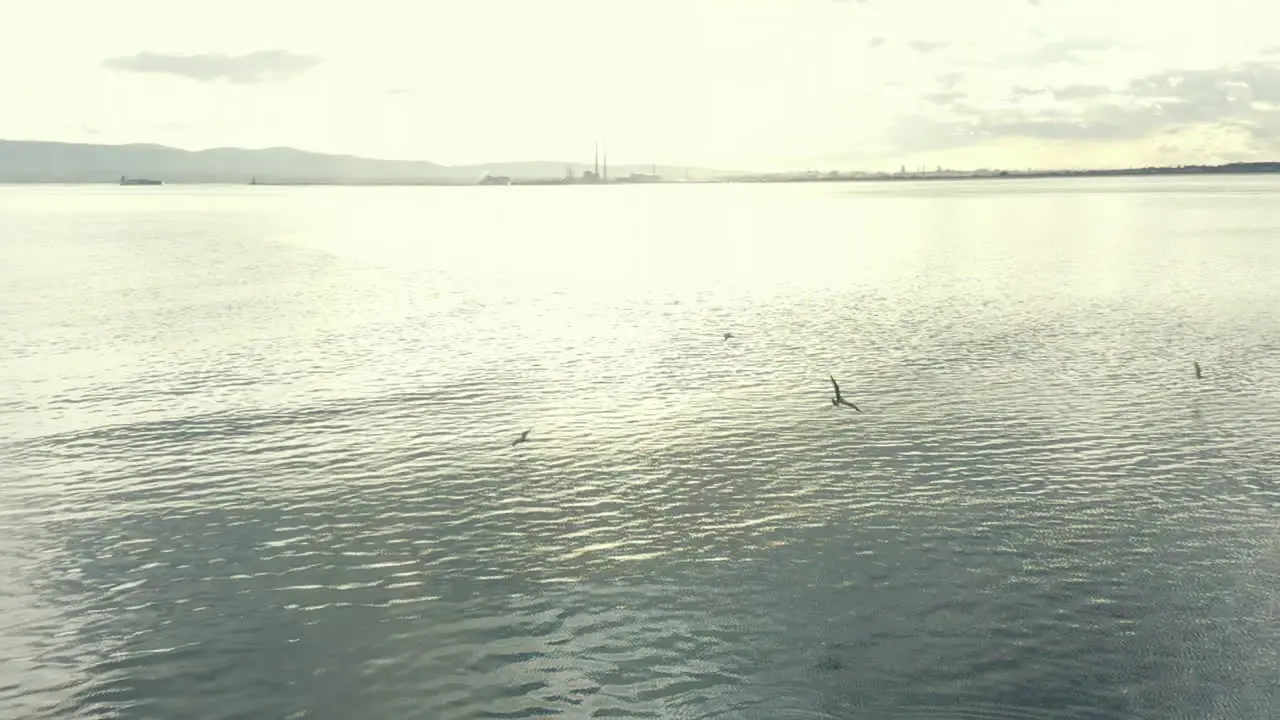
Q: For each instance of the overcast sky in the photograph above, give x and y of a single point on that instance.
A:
(733, 84)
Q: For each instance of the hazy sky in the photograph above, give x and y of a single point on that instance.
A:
(733, 84)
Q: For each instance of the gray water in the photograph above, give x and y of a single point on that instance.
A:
(256, 456)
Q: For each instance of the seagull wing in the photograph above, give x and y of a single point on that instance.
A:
(836, 386)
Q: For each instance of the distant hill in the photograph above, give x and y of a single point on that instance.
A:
(33, 161)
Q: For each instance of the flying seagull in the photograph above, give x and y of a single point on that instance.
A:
(839, 400)
(1197, 366)
(727, 336)
(524, 437)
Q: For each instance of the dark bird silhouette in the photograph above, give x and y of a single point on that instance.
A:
(727, 336)
(839, 400)
(524, 437)
(1197, 366)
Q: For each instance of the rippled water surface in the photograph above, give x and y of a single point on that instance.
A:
(257, 454)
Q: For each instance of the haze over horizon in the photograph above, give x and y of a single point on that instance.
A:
(755, 85)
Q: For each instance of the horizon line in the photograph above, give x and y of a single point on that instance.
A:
(800, 168)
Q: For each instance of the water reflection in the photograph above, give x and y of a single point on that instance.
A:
(293, 495)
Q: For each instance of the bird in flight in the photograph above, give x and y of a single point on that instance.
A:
(727, 336)
(839, 400)
(1197, 366)
(524, 437)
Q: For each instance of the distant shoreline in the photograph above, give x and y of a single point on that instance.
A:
(1253, 168)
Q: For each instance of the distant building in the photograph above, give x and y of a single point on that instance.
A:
(597, 174)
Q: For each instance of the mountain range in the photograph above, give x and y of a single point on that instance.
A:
(23, 161)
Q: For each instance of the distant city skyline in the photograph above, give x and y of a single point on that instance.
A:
(757, 85)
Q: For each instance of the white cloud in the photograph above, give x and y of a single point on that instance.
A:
(748, 83)
(256, 67)
(928, 46)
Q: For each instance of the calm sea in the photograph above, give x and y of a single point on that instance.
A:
(256, 460)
